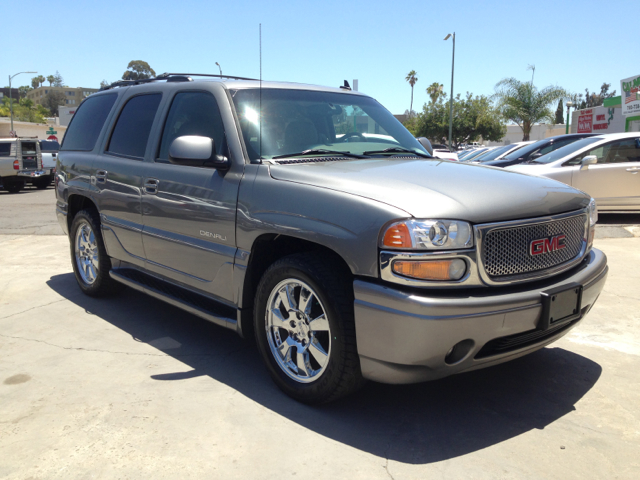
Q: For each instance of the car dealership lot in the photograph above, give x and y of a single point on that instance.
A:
(134, 388)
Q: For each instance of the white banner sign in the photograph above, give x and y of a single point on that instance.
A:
(630, 88)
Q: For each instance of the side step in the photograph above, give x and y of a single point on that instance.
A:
(177, 296)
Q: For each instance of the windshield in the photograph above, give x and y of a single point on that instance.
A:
(475, 154)
(567, 150)
(493, 154)
(49, 146)
(297, 120)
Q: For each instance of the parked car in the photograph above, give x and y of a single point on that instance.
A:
(537, 149)
(607, 167)
(499, 152)
(257, 206)
(20, 159)
(476, 153)
(442, 151)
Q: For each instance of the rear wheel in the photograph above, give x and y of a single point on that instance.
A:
(12, 185)
(305, 328)
(91, 264)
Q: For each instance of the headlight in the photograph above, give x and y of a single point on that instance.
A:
(592, 210)
(428, 235)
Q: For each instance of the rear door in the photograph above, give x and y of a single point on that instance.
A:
(189, 212)
(615, 180)
(117, 176)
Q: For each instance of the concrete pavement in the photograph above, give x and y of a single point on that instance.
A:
(129, 387)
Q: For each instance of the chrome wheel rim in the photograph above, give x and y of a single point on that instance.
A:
(298, 330)
(86, 252)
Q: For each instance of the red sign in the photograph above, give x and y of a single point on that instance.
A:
(585, 123)
(601, 126)
(52, 137)
(600, 118)
(547, 245)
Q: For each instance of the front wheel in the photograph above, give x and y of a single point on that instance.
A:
(305, 328)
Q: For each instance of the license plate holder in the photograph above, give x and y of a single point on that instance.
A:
(560, 305)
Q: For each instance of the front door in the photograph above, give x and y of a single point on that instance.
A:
(615, 180)
(189, 212)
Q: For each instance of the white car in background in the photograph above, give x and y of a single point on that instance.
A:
(607, 167)
(499, 152)
(443, 152)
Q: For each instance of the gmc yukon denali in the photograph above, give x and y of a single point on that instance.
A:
(310, 219)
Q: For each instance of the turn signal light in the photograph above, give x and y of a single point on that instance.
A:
(16, 165)
(451, 269)
(397, 236)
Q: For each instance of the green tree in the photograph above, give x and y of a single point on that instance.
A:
(435, 91)
(560, 113)
(24, 90)
(41, 79)
(138, 70)
(474, 117)
(104, 84)
(50, 79)
(35, 82)
(525, 105)
(58, 81)
(412, 78)
(53, 100)
(23, 111)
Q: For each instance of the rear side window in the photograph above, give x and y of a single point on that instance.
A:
(49, 146)
(131, 133)
(87, 123)
(5, 149)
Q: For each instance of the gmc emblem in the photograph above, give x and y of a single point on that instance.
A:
(547, 245)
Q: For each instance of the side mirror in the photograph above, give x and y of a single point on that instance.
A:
(196, 151)
(535, 155)
(426, 144)
(588, 160)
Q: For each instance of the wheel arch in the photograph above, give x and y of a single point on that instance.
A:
(76, 203)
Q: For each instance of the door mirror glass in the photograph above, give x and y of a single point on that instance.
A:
(196, 151)
(426, 144)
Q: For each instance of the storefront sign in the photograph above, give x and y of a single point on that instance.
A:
(585, 121)
(630, 88)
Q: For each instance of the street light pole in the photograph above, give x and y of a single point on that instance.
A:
(569, 105)
(219, 68)
(11, 96)
(453, 61)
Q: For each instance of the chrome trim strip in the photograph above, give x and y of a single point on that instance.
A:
(482, 230)
(118, 222)
(211, 247)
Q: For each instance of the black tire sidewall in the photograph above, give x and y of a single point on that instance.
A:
(323, 388)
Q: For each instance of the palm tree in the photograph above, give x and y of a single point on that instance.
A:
(435, 91)
(41, 79)
(525, 105)
(51, 79)
(412, 79)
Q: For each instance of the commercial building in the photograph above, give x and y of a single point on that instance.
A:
(72, 96)
(4, 92)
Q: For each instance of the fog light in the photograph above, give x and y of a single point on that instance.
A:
(449, 269)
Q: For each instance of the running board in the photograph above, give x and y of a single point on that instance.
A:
(179, 297)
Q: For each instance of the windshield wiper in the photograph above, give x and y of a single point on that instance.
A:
(316, 151)
(398, 149)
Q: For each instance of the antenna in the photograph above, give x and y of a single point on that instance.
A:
(260, 112)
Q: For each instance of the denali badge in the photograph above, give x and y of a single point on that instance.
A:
(547, 245)
(215, 236)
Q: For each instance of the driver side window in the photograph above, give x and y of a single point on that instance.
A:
(192, 113)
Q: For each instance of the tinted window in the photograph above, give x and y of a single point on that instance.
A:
(624, 151)
(5, 149)
(87, 123)
(28, 148)
(567, 150)
(131, 133)
(49, 146)
(193, 113)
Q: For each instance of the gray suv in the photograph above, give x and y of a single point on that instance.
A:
(310, 219)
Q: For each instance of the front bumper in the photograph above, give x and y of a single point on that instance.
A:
(404, 336)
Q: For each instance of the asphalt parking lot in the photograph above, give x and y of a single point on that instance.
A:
(130, 387)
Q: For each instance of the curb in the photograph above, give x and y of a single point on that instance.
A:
(617, 231)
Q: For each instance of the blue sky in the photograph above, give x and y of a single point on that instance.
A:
(572, 44)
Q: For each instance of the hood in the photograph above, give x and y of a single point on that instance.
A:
(440, 189)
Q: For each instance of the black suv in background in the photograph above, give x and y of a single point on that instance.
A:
(537, 149)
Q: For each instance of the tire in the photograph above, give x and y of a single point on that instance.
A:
(309, 348)
(42, 182)
(13, 185)
(91, 264)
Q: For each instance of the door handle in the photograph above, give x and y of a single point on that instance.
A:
(151, 185)
(101, 176)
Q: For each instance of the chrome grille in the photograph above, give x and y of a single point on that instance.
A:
(505, 251)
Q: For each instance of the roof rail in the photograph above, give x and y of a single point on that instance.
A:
(166, 76)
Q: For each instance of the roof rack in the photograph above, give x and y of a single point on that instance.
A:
(175, 77)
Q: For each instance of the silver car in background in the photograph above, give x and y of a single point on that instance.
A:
(605, 166)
